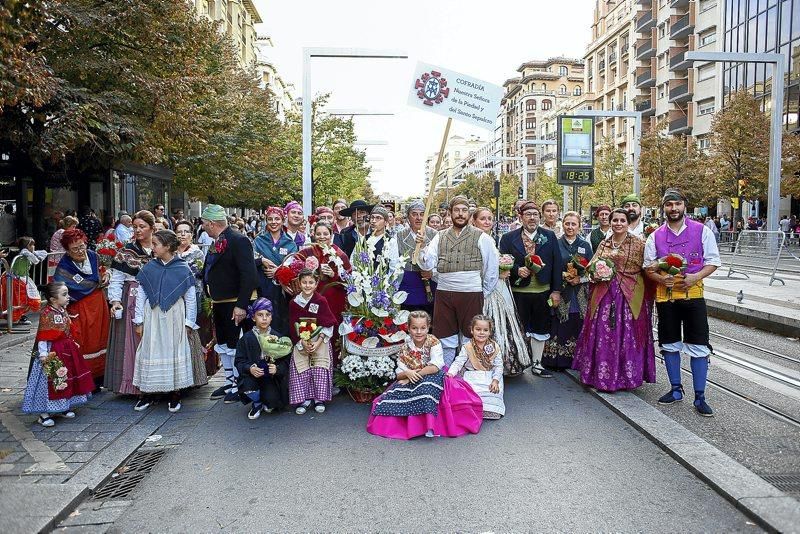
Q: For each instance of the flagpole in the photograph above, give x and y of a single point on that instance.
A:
(432, 187)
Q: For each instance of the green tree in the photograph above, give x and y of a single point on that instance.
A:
(543, 187)
(671, 161)
(613, 177)
(790, 165)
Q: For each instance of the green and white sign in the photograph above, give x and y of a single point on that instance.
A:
(575, 150)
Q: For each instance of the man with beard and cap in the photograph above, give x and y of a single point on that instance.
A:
(633, 205)
(230, 279)
(358, 212)
(682, 315)
(294, 222)
(417, 283)
(467, 262)
(533, 292)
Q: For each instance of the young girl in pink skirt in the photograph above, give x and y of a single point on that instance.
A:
(423, 400)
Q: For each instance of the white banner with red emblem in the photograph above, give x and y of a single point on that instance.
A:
(455, 95)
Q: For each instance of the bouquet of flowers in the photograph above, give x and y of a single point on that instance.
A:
(107, 250)
(332, 259)
(365, 374)
(506, 262)
(286, 273)
(601, 270)
(649, 229)
(307, 329)
(274, 347)
(576, 267)
(672, 264)
(373, 297)
(55, 371)
(534, 263)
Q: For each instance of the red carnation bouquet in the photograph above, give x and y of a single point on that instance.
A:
(286, 274)
(107, 250)
(576, 267)
(672, 264)
(534, 263)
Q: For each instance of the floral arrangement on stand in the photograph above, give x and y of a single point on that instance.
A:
(373, 327)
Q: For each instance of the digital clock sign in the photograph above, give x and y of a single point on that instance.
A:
(575, 150)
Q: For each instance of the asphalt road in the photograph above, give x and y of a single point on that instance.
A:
(559, 461)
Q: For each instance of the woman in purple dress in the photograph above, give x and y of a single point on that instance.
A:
(615, 349)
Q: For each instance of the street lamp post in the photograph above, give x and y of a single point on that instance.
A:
(308, 55)
(776, 127)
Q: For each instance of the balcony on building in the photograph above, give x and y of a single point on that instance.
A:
(680, 121)
(645, 49)
(645, 77)
(645, 105)
(548, 157)
(645, 3)
(681, 26)
(601, 65)
(623, 49)
(676, 4)
(677, 58)
(680, 90)
(645, 21)
(612, 58)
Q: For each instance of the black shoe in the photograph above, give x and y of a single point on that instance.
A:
(142, 404)
(231, 397)
(254, 413)
(669, 397)
(220, 392)
(541, 372)
(703, 408)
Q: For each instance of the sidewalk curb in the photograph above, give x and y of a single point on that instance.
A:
(768, 322)
(769, 507)
(26, 518)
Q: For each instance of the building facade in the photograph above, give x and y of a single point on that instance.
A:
(540, 86)
(282, 92)
(237, 20)
(456, 149)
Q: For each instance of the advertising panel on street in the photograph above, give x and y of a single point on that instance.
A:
(575, 150)
(455, 95)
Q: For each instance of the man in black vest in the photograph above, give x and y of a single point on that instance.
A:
(532, 291)
(230, 279)
(358, 212)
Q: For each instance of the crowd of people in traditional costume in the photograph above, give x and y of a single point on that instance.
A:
(547, 296)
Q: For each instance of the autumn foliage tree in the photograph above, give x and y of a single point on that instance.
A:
(613, 176)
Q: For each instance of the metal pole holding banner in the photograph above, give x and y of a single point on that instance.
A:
(432, 187)
(778, 62)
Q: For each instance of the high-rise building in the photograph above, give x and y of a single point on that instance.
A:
(764, 26)
(540, 86)
(679, 96)
(237, 20)
(456, 149)
(611, 74)
(282, 92)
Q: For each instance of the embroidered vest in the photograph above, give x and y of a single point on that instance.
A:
(460, 252)
(406, 244)
(688, 244)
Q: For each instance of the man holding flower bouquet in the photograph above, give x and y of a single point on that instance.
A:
(678, 256)
(535, 278)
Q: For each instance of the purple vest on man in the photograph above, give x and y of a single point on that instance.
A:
(689, 244)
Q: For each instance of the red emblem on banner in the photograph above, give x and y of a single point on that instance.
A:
(432, 88)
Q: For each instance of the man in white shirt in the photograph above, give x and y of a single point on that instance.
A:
(467, 262)
(124, 230)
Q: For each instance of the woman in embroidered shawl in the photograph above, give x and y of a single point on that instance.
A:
(481, 365)
(272, 246)
(423, 400)
(615, 349)
(44, 395)
(568, 320)
(123, 340)
(194, 258)
(500, 306)
(80, 271)
(166, 308)
(332, 262)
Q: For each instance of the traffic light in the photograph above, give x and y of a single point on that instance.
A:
(493, 203)
(519, 193)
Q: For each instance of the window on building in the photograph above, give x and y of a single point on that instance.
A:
(530, 105)
(706, 72)
(562, 90)
(546, 104)
(705, 5)
(662, 60)
(563, 70)
(531, 159)
(704, 143)
(591, 85)
(705, 107)
(544, 87)
(662, 30)
(577, 91)
(530, 124)
(709, 36)
(662, 89)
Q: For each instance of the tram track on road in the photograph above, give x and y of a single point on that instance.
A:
(755, 347)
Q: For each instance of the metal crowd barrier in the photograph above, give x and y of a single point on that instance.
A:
(755, 251)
